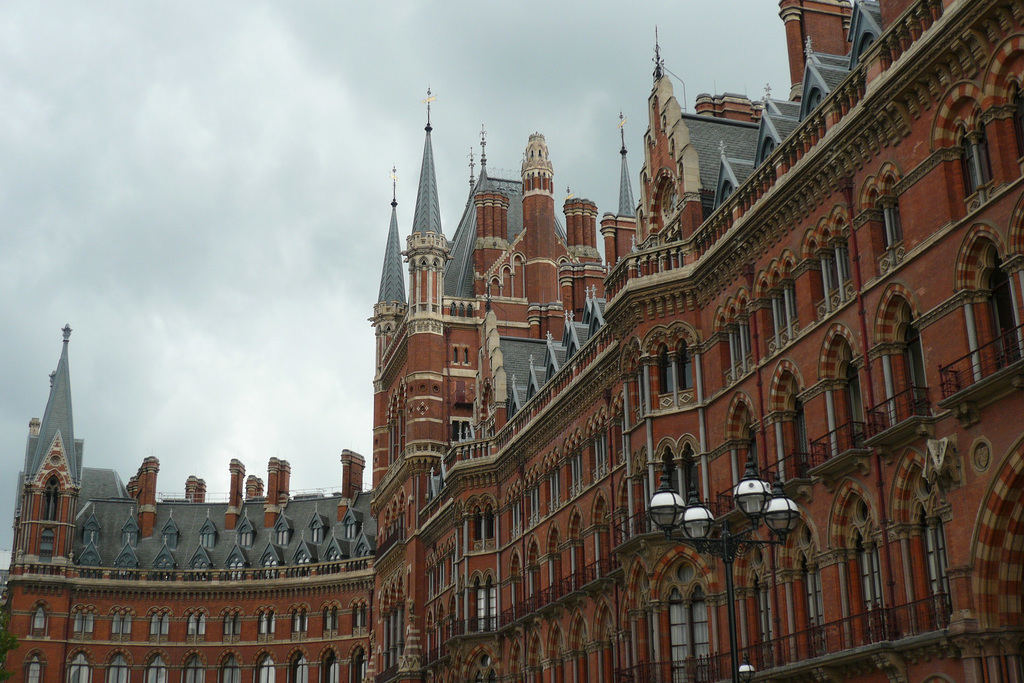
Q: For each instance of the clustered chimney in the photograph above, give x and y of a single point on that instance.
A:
(146, 495)
(581, 224)
(492, 215)
(728, 106)
(237, 470)
(195, 489)
(253, 487)
(352, 466)
(279, 474)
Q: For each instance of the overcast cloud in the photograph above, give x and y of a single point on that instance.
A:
(201, 190)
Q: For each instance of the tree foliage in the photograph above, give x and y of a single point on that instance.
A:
(7, 643)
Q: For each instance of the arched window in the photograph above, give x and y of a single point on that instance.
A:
(267, 622)
(688, 625)
(1018, 120)
(156, 672)
(767, 147)
(358, 673)
(197, 624)
(892, 225)
(298, 669)
(976, 168)
(230, 672)
(299, 621)
(330, 670)
(83, 623)
(39, 621)
(934, 535)
(121, 625)
(34, 670)
(194, 672)
(1001, 309)
(666, 378)
(158, 625)
(117, 670)
(51, 499)
(330, 618)
(265, 672)
(870, 570)
(79, 671)
(46, 545)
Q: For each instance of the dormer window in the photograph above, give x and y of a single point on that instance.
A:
(316, 530)
(767, 147)
(130, 533)
(246, 535)
(169, 535)
(283, 531)
(727, 190)
(91, 532)
(351, 528)
(208, 534)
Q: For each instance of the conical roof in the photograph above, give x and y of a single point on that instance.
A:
(392, 283)
(57, 421)
(627, 207)
(427, 216)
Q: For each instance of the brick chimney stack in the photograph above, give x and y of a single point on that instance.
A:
(825, 22)
(147, 495)
(237, 470)
(253, 487)
(270, 505)
(284, 484)
(195, 490)
(352, 466)
(728, 106)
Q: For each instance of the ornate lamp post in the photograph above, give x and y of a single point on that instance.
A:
(758, 500)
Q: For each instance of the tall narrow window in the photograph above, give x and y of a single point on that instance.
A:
(230, 672)
(51, 500)
(684, 370)
(194, 672)
(156, 672)
(79, 671)
(935, 550)
(117, 670)
(46, 545)
(358, 667)
(265, 672)
(892, 226)
(298, 669)
(34, 670)
(330, 670)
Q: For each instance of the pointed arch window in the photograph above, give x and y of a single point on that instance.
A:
(330, 669)
(688, 625)
(870, 573)
(197, 624)
(121, 625)
(230, 672)
(159, 624)
(117, 670)
(358, 673)
(130, 533)
(83, 623)
(80, 671)
(1018, 120)
(267, 621)
(194, 671)
(1003, 313)
(300, 621)
(298, 669)
(46, 545)
(51, 499)
(246, 534)
(330, 619)
(34, 670)
(265, 671)
(156, 672)
(976, 167)
(934, 534)
(169, 535)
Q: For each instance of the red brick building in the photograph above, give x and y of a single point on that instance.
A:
(829, 285)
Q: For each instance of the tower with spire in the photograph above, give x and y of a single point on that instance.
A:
(619, 229)
(52, 474)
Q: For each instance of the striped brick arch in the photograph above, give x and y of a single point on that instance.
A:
(786, 383)
(847, 495)
(960, 107)
(888, 319)
(999, 546)
(740, 415)
(1016, 230)
(977, 254)
(880, 184)
(1003, 75)
(838, 340)
(663, 577)
(904, 483)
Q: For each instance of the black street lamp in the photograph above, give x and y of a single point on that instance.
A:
(758, 500)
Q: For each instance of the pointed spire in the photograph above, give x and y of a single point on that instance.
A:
(392, 283)
(57, 421)
(659, 63)
(427, 215)
(627, 207)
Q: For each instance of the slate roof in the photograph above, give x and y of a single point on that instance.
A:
(458, 274)
(707, 132)
(427, 216)
(627, 206)
(103, 496)
(57, 420)
(392, 280)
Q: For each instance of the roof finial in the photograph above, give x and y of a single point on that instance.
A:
(622, 131)
(394, 186)
(67, 332)
(808, 48)
(427, 100)
(483, 148)
(721, 148)
(659, 63)
(767, 93)
(472, 167)
(568, 193)
(531, 361)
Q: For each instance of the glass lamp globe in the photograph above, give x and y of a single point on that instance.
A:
(747, 671)
(781, 513)
(667, 508)
(751, 494)
(697, 520)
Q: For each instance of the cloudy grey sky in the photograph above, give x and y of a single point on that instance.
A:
(201, 190)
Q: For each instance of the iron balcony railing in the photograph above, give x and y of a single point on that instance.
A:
(911, 402)
(989, 359)
(843, 438)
